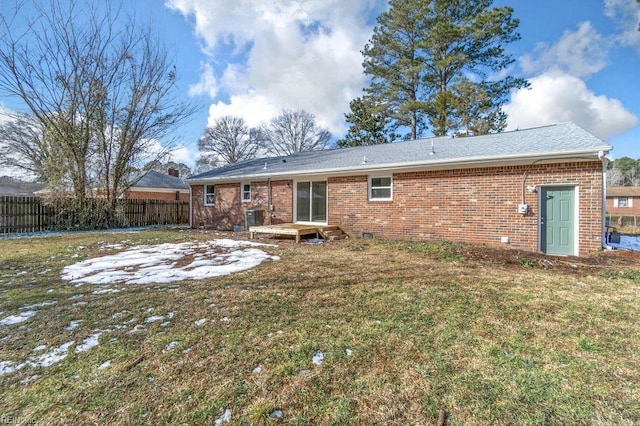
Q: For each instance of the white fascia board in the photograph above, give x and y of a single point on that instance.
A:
(415, 166)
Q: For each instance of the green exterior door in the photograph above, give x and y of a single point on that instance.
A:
(557, 220)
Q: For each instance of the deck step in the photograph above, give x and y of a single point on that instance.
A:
(332, 233)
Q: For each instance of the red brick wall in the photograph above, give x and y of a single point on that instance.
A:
(472, 205)
(229, 210)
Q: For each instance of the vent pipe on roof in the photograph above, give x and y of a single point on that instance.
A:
(432, 149)
(364, 160)
(265, 166)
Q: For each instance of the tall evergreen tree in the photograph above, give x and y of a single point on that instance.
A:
(434, 62)
(367, 125)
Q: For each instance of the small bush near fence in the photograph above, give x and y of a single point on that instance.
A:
(35, 214)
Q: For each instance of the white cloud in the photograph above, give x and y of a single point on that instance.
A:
(557, 97)
(626, 13)
(207, 85)
(296, 54)
(580, 53)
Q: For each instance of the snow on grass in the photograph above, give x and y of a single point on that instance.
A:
(224, 418)
(52, 357)
(39, 305)
(17, 319)
(157, 264)
(89, 342)
(73, 325)
(200, 322)
(104, 365)
(154, 318)
(318, 358)
(171, 346)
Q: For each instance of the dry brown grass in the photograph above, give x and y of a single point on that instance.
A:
(490, 335)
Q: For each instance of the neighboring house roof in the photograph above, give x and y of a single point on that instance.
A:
(20, 188)
(623, 191)
(555, 142)
(156, 180)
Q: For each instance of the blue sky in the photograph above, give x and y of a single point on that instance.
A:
(252, 58)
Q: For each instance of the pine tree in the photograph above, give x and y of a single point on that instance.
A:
(434, 63)
(367, 125)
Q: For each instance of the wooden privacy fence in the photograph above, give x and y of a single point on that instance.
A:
(21, 214)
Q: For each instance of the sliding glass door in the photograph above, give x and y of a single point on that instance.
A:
(311, 202)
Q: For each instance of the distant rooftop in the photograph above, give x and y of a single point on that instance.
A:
(153, 179)
(555, 141)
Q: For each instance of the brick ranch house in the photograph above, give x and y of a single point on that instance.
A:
(623, 200)
(153, 185)
(535, 189)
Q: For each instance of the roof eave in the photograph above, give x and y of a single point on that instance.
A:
(471, 162)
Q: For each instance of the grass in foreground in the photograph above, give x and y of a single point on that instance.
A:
(405, 329)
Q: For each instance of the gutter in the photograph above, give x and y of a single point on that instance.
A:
(190, 208)
(475, 162)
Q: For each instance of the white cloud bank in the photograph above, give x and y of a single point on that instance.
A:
(294, 54)
(558, 91)
(556, 97)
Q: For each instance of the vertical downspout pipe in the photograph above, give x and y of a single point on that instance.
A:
(603, 233)
(190, 207)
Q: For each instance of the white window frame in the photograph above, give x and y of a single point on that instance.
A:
(622, 202)
(390, 187)
(206, 194)
(242, 192)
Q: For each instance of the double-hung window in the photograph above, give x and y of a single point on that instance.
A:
(380, 188)
(246, 192)
(209, 195)
(623, 202)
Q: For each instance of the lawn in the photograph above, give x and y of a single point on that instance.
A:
(347, 332)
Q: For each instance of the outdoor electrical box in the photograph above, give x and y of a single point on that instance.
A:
(523, 208)
(254, 218)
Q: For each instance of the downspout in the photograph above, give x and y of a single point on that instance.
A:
(603, 233)
(269, 206)
(190, 208)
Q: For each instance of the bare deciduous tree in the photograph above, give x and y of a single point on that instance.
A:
(229, 140)
(101, 91)
(294, 131)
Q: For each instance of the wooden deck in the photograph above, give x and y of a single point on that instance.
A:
(292, 229)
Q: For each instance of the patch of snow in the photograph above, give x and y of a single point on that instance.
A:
(89, 342)
(157, 264)
(118, 314)
(171, 346)
(225, 319)
(257, 370)
(73, 325)
(165, 324)
(318, 358)
(349, 352)
(186, 351)
(81, 304)
(154, 318)
(201, 322)
(104, 365)
(276, 414)
(17, 319)
(137, 328)
(224, 418)
(52, 357)
(29, 379)
(106, 291)
(170, 315)
(39, 305)
(77, 296)
(40, 348)
(7, 367)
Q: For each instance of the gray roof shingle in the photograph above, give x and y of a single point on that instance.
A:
(553, 140)
(153, 179)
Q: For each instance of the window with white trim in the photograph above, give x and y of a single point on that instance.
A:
(209, 195)
(246, 192)
(380, 188)
(624, 202)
